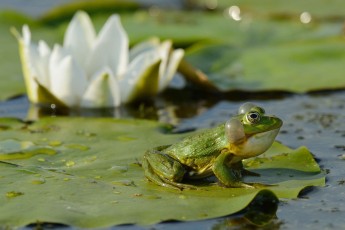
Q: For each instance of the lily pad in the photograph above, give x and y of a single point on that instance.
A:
(331, 10)
(66, 12)
(93, 178)
(294, 67)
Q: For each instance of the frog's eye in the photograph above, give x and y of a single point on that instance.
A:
(253, 117)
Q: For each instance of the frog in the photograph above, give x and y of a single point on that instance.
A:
(217, 152)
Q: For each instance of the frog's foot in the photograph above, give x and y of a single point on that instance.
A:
(163, 170)
(229, 176)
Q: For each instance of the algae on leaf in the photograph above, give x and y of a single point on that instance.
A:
(95, 178)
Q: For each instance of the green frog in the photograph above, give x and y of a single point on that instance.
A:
(218, 151)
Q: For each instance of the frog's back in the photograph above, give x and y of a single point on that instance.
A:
(199, 150)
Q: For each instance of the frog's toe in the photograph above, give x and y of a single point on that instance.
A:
(244, 185)
(236, 184)
(169, 184)
(186, 186)
(172, 184)
(254, 185)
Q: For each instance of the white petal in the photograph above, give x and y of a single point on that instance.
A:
(26, 35)
(164, 51)
(68, 81)
(103, 91)
(26, 49)
(35, 64)
(149, 45)
(173, 63)
(43, 49)
(57, 55)
(79, 37)
(41, 63)
(132, 82)
(111, 48)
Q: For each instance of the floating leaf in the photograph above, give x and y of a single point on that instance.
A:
(290, 9)
(102, 184)
(66, 12)
(294, 67)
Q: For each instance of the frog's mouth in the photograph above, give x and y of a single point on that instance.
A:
(258, 143)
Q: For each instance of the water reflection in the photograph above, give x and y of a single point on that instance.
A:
(170, 108)
(144, 111)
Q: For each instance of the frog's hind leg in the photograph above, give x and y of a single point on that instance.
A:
(163, 170)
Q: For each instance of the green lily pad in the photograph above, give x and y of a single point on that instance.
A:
(87, 174)
(294, 67)
(289, 9)
(66, 12)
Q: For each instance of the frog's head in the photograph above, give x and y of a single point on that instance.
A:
(251, 132)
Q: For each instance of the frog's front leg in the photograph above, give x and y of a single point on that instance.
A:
(228, 176)
(163, 170)
(244, 172)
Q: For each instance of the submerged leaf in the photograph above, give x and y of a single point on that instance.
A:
(101, 183)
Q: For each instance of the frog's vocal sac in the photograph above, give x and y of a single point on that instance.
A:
(218, 151)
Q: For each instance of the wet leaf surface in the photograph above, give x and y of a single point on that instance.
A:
(93, 177)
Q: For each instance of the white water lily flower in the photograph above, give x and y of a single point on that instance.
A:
(91, 70)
